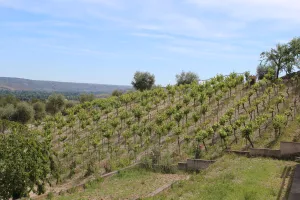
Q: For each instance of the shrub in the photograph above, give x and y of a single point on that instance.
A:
(107, 166)
(166, 164)
(146, 163)
(252, 80)
(50, 196)
(91, 169)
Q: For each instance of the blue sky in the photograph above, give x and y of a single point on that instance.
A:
(106, 41)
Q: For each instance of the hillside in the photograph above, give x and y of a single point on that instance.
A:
(167, 125)
(20, 84)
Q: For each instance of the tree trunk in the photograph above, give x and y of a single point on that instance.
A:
(204, 145)
(178, 142)
(234, 133)
(248, 138)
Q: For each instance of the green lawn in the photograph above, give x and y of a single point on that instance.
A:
(232, 178)
(130, 184)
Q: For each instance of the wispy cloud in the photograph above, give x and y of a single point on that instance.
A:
(155, 36)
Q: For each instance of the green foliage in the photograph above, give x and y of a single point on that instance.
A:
(25, 163)
(7, 112)
(39, 110)
(23, 113)
(186, 78)
(86, 98)
(279, 122)
(55, 103)
(263, 70)
(143, 81)
(117, 93)
(283, 57)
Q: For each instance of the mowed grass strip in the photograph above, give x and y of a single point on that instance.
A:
(232, 178)
(129, 184)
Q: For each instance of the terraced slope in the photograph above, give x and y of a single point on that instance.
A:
(224, 112)
(233, 177)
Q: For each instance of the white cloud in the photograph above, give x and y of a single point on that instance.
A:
(155, 36)
(254, 9)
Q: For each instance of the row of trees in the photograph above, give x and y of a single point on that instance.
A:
(21, 111)
(145, 81)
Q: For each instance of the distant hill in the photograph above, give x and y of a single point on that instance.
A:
(20, 84)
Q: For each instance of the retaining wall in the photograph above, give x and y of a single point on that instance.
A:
(182, 166)
(265, 153)
(289, 148)
(195, 164)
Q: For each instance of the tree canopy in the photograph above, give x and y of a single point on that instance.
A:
(86, 98)
(23, 113)
(143, 81)
(186, 78)
(284, 57)
(25, 163)
(55, 103)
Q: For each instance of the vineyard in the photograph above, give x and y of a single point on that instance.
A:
(172, 123)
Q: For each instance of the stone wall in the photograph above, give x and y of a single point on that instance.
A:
(265, 152)
(289, 148)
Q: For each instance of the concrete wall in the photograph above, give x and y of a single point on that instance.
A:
(182, 166)
(289, 148)
(197, 164)
(265, 152)
(240, 153)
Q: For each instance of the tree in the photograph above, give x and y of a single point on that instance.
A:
(178, 132)
(7, 112)
(294, 46)
(247, 131)
(24, 113)
(39, 110)
(262, 71)
(117, 93)
(186, 78)
(86, 98)
(280, 57)
(55, 103)
(143, 81)
(279, 122)
(201, 135)
(26, 163)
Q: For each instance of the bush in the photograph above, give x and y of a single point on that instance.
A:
(24, 113)
(50, 196)
(252, 80)
(7, 112)
(166, 165)
(55, 103)
(39, 110)
(91, 169)
(146, 163)
(72, 169)
(155, 156)
(107, 166)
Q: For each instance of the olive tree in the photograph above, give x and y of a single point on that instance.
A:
(186, 78)
(143, 81)
(55, 103)
(281, 58)
(39, 110)
(24, 113)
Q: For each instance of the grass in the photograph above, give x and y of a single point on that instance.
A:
(232, 178)
(130, 184)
